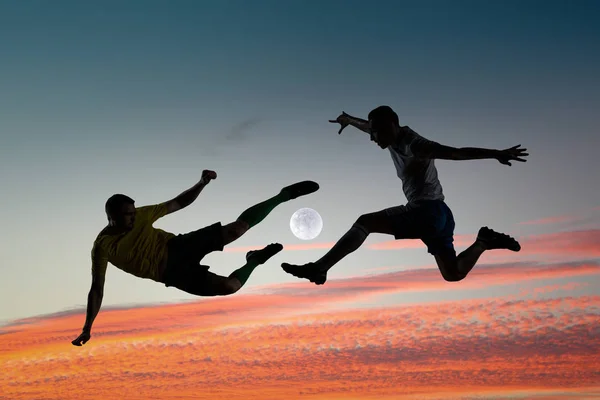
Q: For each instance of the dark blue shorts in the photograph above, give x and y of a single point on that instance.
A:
(431, 221)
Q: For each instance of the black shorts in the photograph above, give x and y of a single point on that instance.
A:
(185, 252)
(429, 220)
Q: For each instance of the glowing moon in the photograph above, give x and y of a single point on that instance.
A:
(306, 224)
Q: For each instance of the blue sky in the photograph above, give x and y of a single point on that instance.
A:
(140, 97)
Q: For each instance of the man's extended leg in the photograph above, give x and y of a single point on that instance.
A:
(258, 212)
(316, 272)
(455, 268)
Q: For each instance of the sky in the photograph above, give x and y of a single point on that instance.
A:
(139, 97)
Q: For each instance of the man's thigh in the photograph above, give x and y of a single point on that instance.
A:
(192, 247)
(430, 221)
(440, 241)
(197, 280)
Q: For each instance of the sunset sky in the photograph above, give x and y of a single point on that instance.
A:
(139, 97)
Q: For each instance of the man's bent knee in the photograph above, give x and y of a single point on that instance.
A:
(367, 222)
(448, 267)
(363, 221)
(452, 277)
(231, 286)
(377, 222)
(224, 287)
(234, 231)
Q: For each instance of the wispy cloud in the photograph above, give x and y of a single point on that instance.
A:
(237, 133)
(577, 219)
(240, 130)
(582, 243)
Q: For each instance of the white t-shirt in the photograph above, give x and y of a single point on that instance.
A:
(419, 176)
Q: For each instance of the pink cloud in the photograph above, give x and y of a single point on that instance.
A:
(584, 243)
(581, 243)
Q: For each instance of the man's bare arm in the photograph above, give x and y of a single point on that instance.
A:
(94, 302)
(463, 153)
(189, 196)
(359, 123)
(345, 119)
(94, 299)
(186, 198)
(429, 149)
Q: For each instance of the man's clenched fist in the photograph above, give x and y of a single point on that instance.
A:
(207, 176)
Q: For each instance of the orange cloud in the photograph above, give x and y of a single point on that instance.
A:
(297, 339)
(443, 349)
(294, 339)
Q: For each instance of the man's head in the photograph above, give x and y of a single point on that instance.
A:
(120, 210)
(384, 125)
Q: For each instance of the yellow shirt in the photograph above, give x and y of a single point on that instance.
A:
(138, 251)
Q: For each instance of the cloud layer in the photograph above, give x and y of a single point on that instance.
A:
(449, 347)
(512, 330)
(292, 341)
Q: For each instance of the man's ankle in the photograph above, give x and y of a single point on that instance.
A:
(482, 244)
(321, 266)
(283, 196)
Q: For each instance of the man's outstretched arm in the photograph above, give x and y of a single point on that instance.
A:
(189, 196)
(428, 149)
(94, 300)
(461, 153)
(346, 119)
